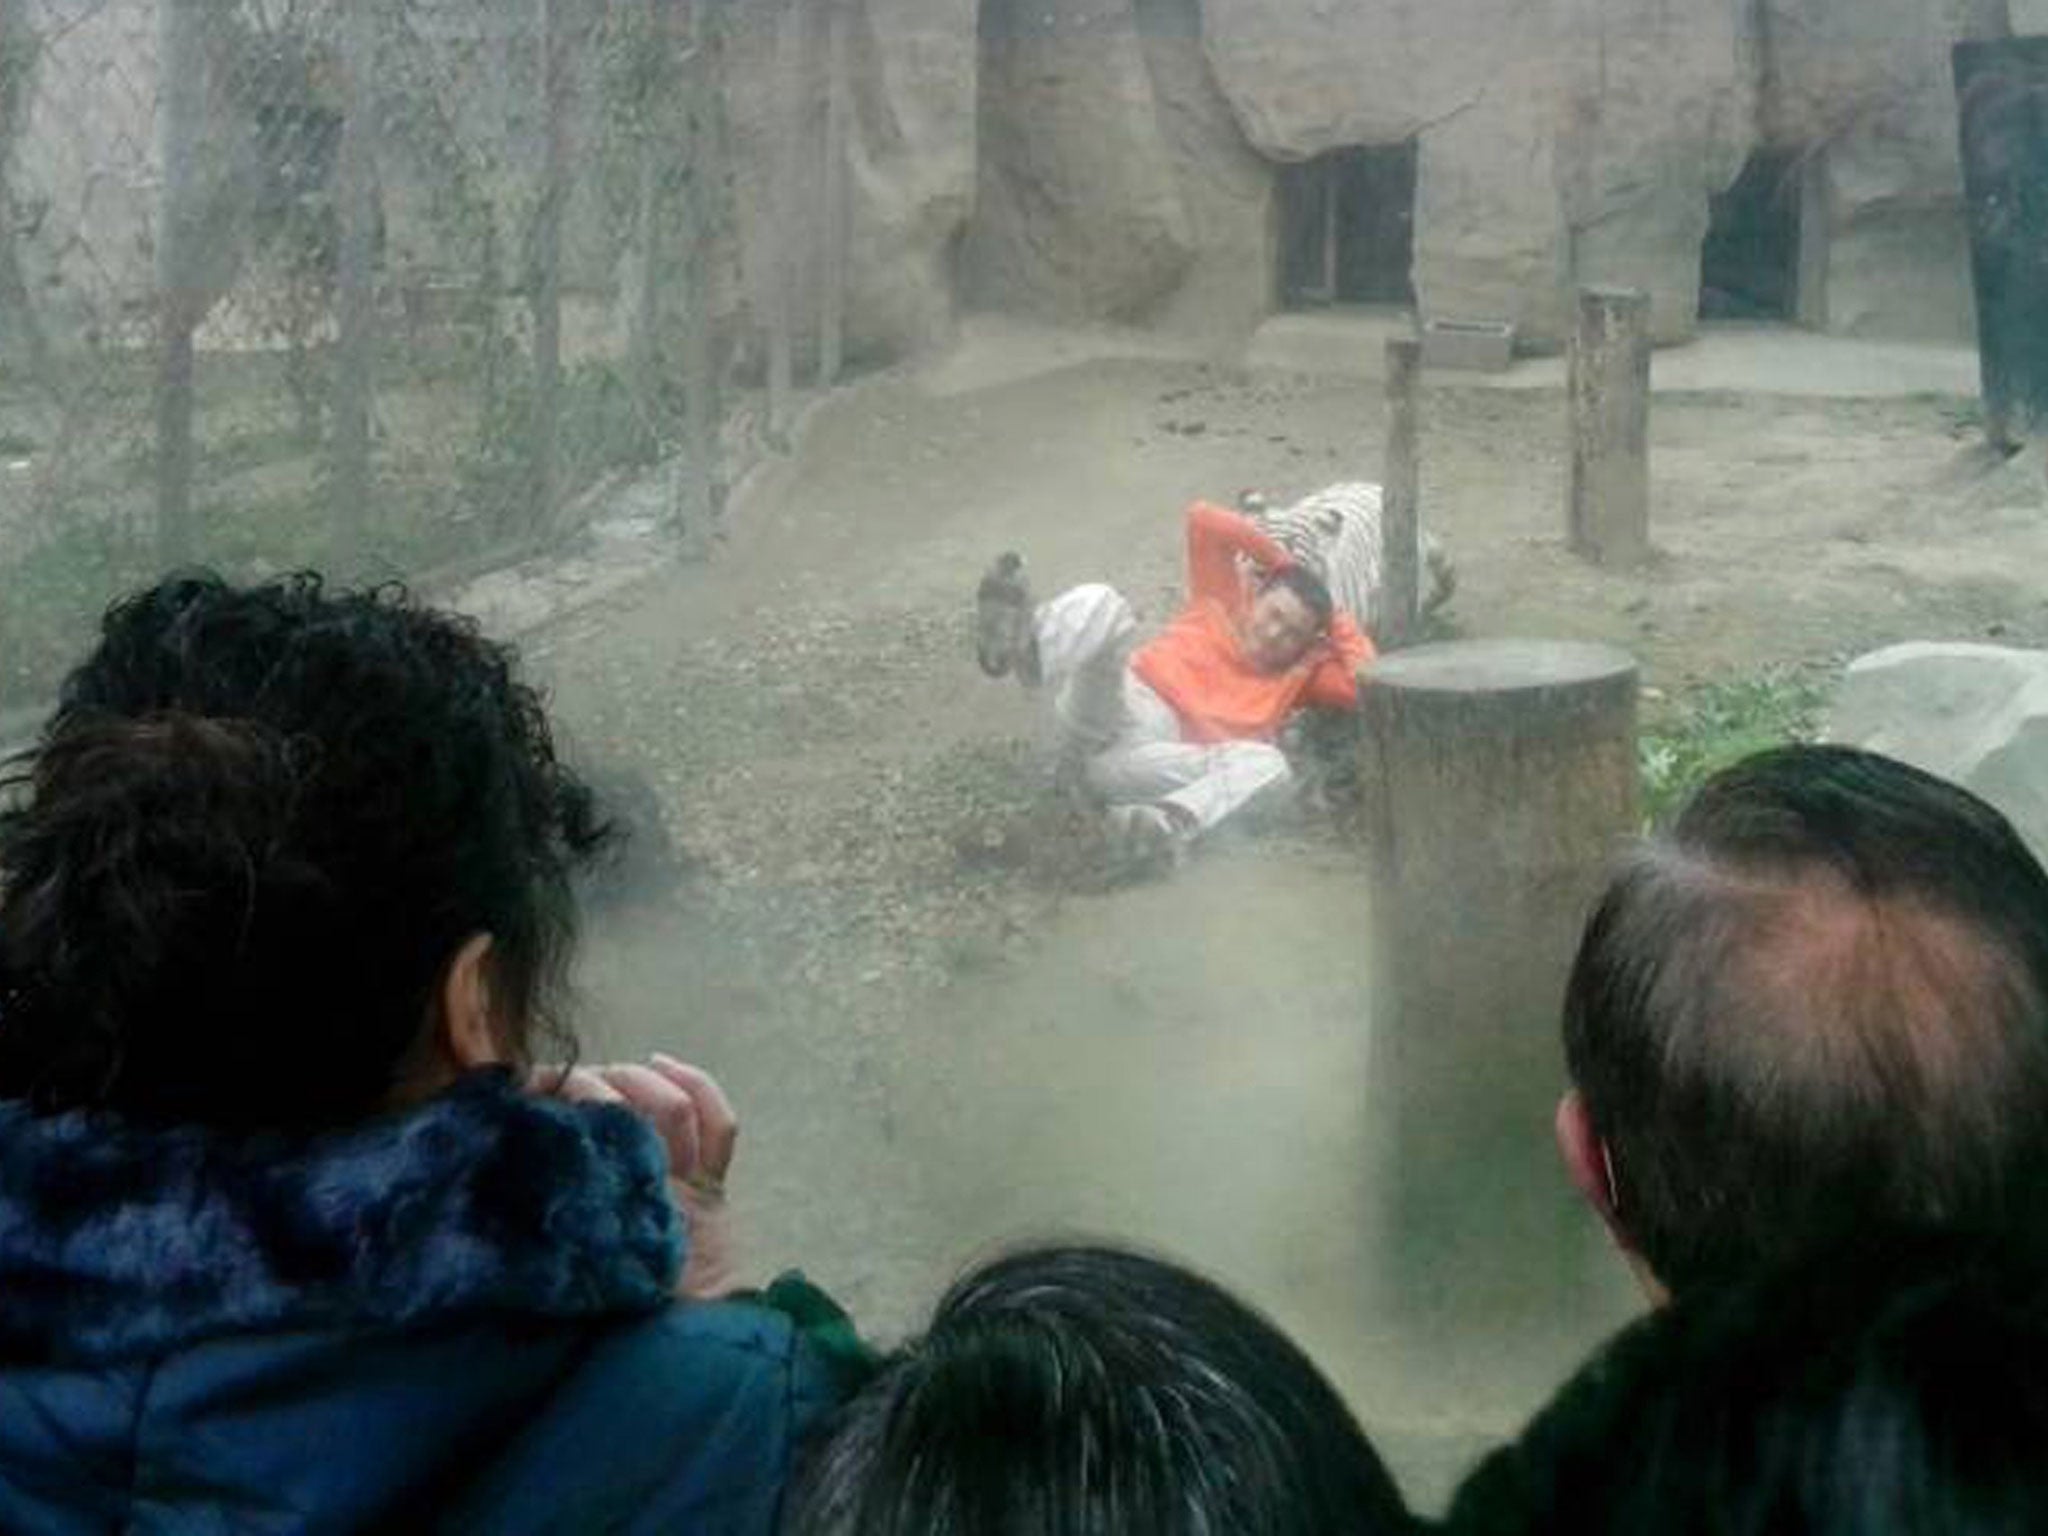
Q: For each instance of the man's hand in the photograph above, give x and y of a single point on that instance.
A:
(695, 1121)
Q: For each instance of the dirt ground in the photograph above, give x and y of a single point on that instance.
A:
(940, 1036)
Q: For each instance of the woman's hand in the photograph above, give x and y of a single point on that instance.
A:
(695, 1121)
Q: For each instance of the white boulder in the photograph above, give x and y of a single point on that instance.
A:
(1974, 714)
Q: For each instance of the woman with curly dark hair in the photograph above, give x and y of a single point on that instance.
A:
(293, 1235)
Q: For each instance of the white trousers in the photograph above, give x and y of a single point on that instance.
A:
(1126, 737)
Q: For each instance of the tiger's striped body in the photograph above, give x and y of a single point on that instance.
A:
(1337, 533)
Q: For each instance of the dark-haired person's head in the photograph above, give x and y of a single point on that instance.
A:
(1092, 1392)
(1896, 1386)
(1816, 1003)
(1291, 612)
(282, 857)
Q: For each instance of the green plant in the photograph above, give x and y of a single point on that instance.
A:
(1718, 724)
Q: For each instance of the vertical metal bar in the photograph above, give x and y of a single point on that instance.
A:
(547, 276)
(355, 299)
(181, 126)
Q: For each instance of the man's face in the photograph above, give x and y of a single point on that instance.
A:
(1280, 630)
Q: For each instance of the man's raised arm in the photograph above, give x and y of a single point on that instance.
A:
(1216, 537)
(1347, 651)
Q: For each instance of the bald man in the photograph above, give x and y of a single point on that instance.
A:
(1818, 1004)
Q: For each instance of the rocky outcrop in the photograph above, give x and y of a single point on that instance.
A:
(1554, 141)
(1490, 237)
(912, 182)
(910, 156)
(1078, 213)
(1974, 714)
(1866, 85)
(1661, 115)
(1225, 188)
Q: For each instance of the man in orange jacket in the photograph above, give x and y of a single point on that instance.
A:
(1179, 733)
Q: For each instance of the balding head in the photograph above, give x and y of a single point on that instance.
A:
(1820, 1001)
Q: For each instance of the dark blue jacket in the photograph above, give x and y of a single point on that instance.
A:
(454, 1319)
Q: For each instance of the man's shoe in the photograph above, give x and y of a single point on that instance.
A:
(1145, 837)
(1003, 610)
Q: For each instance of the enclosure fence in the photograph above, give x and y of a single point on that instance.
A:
(383, 287)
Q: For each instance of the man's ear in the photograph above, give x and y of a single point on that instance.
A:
(1586, 1161)
(1591, 1169)
(467, 1029)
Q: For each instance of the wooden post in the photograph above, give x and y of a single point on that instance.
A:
(355, 304)
(1499, 777)
(1610, 427)
(832, 200)
(1401, 570)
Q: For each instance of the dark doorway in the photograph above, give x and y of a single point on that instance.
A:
(1347, 228)
(1749, 267)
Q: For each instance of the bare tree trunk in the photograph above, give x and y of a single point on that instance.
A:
(355, 299)
(547, 267)
(832, 209)
(181, 125)
(782, 246)
(699, 495)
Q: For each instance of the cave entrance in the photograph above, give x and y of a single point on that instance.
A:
(1347, 228)
(1749, 266)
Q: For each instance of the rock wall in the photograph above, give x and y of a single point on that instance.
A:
(1078, 212)
(1225, 188)
(910, 151)
(911, 187)
(1570, 140)
(1661, 115)
(1118, 159)
(1555, 139)
(1865, 84)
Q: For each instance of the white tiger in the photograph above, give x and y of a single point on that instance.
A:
(1336, 532)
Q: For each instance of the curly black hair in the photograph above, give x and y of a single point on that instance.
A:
(258, 825)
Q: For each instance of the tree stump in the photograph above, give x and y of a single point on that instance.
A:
(1609, 513)
(1500, 777)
